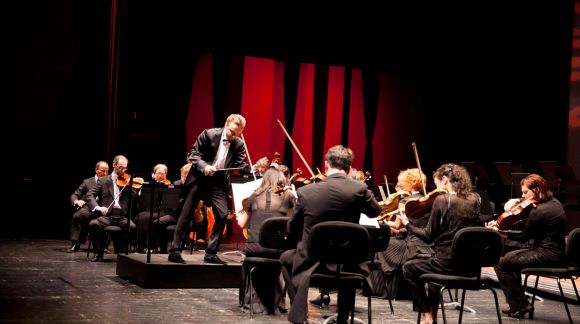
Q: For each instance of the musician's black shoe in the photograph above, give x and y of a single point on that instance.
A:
(74, 247)
(320, 300)
(175, 257)
(214, 259)
(521, 313)
(97, 258)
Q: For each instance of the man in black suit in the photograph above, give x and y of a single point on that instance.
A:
(82, 215)
(112, 203)
(337, 198)
(215, 149)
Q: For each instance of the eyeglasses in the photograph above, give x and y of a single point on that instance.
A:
(122, 168)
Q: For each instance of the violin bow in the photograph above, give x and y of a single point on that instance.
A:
(387, 185)
(296, 148)
(419, 166)
(248, 154)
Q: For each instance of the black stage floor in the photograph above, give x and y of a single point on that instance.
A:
(39, 282)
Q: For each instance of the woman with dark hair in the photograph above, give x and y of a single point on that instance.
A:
(263, 204)
(546, 226)
(451, 211)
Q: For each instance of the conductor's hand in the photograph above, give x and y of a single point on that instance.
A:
(210, 170)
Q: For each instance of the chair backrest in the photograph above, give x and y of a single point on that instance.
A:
(338, 242)
(476, 247)
(379, 237)
(573, 248)
(274, 234)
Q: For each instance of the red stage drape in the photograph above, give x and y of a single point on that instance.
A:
(356, 124)
(302, 133)
(200, 114)
(334, 109)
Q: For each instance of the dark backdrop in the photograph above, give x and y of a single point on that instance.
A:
(491, 81)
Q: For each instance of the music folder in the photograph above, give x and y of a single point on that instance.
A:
(165, 196)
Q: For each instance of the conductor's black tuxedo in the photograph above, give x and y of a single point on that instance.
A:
(213, 190)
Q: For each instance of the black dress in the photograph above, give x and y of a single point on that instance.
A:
(268, 285)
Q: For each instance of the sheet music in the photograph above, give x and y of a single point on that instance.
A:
(365, 220)
(240, 191)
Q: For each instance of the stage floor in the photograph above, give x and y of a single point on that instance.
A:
(39, 282)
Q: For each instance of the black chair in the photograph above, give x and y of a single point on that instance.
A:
(570, 270)
(274, 235)
(379, 241)
(472, 248)
(340, 243)
(109, 230)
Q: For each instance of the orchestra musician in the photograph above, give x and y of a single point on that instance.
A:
(215, 152)
(159, 175)
(82, 215)
(457, 208)
(404, 246)
(348, 200)
(112, 202)
(546, 226)
(265, 202)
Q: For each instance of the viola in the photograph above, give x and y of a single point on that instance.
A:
(415, 208)
(517, 213)
(123, 180)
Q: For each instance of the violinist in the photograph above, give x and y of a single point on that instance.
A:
(159, 175)
(406, 245)
(111, 201)
(265, 202)
(261, 166)
(546, 226)
(457, 208)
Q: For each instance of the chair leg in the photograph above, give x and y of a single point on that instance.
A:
(369, 311)
(251, 293)
(496, 302)
(461, 307)
(442, 304)
(564, 301)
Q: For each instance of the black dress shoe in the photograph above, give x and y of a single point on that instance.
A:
(97, 258)
(214, 259)
(507, 311)
(521, 313)
(320, 300)
(175, 257)
(74, 248)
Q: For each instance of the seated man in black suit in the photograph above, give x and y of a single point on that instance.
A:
(82, 215)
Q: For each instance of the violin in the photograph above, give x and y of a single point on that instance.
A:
(165, 182)
(391, 205)
(123, 180)
(517, 213)
(417, 207)
(298, 180)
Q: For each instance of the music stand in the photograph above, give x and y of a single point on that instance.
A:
(158, 196)
(516, 178)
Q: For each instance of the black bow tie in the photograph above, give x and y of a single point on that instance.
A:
(226, 141)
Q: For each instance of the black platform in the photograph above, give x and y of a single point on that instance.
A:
(160, 273)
